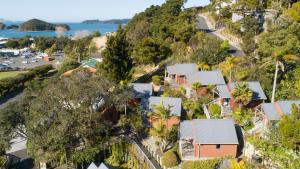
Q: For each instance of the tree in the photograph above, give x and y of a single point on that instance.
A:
(294, 12)
(289, 129)
(66, 122)
(81, 50)
(12, 44)
(196, 86)
(207, 49)
(242, 94)
(228, 65)
(160, 131)
(151, 51)
(96, 34)
(249, 44)
(117, 63)
(157, 80)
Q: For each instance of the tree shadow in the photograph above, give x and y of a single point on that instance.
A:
(240, 139)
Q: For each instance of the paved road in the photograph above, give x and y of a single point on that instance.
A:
(202, 25)
(13, 96)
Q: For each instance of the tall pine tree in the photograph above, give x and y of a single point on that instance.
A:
(117, 63)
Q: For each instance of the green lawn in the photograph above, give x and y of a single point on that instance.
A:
(4, 75)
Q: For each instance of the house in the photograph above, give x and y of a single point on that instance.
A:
(90, 65)
(226, 100)
(142, 93)
(102, 166)
(207, 139)
(273, 112)
(176, 74)
(173, 104)
(204, 78)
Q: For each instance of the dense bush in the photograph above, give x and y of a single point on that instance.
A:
(10, 84)
(68, 65)
(156, 80)
(170, 159)
(207, 164)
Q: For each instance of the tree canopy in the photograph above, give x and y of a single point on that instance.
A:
(117, 63)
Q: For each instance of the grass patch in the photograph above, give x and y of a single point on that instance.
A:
(4, 75)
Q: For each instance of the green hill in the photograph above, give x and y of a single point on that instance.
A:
(39, 25)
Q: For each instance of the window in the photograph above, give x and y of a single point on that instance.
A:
(218, 146)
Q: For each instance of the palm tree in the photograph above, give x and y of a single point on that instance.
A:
(196, 86)
(279, 60)
(160, 131)
(162, 112)
(230, 65)
(242, 94)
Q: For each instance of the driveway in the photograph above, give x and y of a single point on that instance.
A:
(204, 25)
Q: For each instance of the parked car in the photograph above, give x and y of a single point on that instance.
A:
(25, 62)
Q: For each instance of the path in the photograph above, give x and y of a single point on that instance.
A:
(142, 150)
(206, 26)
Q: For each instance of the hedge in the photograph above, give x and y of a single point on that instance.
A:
(205, 164)
(13, 83)
(170, 159)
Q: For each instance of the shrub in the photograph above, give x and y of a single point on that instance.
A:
(156, 80)
(170, 159)
(13, 83)
(207, 164)
(68, 65)
(215, 111)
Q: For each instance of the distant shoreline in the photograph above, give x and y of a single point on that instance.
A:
(75, 27)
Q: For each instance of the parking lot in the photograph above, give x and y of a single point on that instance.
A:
(19, 62)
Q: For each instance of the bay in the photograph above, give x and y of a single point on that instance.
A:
(75, 27)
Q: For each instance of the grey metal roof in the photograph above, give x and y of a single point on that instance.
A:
(206, 78)
(142, 90)
(223, 91)
(258, 93)
(286, 106)
(209, 131)
(103, 166)
(270, 111)
(182, 69)
(169, 102)
(92, 166)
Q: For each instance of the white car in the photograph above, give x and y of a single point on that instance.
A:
(34, 61)
(25, 62)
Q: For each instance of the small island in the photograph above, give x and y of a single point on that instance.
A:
(39, 25)
(2, 26)
(12, 27)
(111, 21)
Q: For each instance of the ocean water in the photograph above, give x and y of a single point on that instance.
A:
(75, 27)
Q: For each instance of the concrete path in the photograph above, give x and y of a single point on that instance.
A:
(206, 26)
